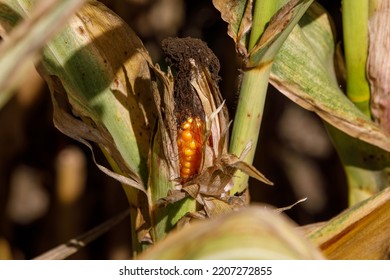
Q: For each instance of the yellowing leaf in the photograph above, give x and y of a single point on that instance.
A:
(362, 232)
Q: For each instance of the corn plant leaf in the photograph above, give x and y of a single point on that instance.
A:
(103, 69)
(361, 232)
(24, 42)
(303, 71)
(276, 32)
(366, 165)
(251, 233)
(238, 15)
(98, 72)
(83, 133)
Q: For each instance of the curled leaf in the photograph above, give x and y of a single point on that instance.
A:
(303, 71)
(276, 32)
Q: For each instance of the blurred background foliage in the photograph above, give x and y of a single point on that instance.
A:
(50, 190)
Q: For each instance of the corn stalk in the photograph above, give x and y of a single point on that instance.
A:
(258, 45)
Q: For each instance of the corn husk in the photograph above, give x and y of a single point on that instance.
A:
(210, 187)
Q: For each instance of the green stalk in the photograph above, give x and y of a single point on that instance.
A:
(362, 182)
(355, 27)
(247, 121)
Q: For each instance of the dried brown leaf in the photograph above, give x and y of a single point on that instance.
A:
(238, 14)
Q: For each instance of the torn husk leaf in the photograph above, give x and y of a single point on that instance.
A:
(197, 96)
(164, 169)
(238, 15)
(378, 63)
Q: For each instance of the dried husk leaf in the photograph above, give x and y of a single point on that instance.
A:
(163, 98)
(361, 232)
(251, 233)
(378, 63)
(238, 15)
(217, 118)
(199, 67)
(164, 167)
